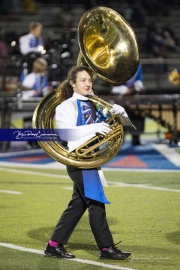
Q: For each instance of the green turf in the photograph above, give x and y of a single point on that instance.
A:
(146, 220)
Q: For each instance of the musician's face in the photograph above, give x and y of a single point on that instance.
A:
(83, 84)
(37, 31)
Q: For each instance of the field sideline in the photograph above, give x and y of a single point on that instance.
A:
(143, 214)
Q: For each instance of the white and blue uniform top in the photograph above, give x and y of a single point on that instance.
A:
(29, 43)
(38, 83)
(66, 120)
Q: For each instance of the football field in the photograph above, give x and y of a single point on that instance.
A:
(143, 214)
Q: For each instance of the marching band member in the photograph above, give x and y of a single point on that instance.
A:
(35, 83)
(134, 86)
(78, 120)
(32, 42)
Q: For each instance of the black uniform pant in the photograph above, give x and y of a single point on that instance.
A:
(76, 208)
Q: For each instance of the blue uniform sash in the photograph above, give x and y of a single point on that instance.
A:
(93, 188)
(40, 83)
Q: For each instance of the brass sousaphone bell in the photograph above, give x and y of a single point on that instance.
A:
(108, 46)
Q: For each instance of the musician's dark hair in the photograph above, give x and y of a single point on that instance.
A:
(65, 87)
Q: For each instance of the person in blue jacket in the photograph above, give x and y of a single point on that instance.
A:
(133, 86)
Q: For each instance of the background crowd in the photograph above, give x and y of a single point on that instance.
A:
(45, 46)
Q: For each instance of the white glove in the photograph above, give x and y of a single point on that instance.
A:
(117, 109)
(101, 128)
(138, 85)
(120, 89)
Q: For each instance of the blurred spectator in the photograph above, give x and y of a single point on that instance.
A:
(170, 42)
(32, 42)
(31, 46)
(35, 83)
(159, 42)
(132, 87)
(4, 54)
(154, 41)
(64, 18)
(4, 51)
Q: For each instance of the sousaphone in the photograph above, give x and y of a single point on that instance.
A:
(108, 46)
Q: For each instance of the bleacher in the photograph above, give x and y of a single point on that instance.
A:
(58, 26)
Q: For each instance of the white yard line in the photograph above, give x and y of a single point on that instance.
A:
(50, 165)
(115, 184)
(140, 170)
(169, 153)
(34, 173)
(10, 192)
(7, 245)
(119, 184)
